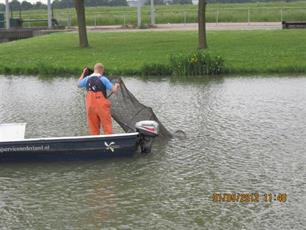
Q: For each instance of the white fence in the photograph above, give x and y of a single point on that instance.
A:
(260, 14)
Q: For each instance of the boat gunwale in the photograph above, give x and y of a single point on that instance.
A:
(81, 138)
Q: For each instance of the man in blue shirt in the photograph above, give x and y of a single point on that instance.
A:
(98, 107)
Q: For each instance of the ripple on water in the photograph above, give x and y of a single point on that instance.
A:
(243, 135)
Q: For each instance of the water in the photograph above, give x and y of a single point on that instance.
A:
(245, 135)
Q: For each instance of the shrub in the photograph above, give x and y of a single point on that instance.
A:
(196, 64)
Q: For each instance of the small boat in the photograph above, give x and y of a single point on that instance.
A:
(14, 147)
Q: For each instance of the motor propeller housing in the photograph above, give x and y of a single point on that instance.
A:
(147, 130)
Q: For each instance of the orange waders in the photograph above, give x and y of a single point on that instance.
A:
(98, 113)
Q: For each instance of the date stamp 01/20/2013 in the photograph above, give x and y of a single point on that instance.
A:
(249, 197)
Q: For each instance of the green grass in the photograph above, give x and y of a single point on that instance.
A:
(259, 12)
(244, 52)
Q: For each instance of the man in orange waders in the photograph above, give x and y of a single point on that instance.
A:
(98, 107)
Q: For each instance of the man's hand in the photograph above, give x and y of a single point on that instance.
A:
(84, 73)
(116, 87)
(85, 70)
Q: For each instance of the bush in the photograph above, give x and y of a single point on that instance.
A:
(196, 64)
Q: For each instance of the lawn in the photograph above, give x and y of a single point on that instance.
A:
(244, 52)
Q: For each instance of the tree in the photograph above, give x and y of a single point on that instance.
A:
(39, 5)
(26, 5)
(14, 5)
(81, 19)
(202, 24)
(2, 7)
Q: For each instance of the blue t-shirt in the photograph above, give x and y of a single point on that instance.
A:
(105, 81)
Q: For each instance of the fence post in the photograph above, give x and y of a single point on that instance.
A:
(124, 20)
(69, 20)
(217, 17)
(281, 12)
(7, 15)
(152, 13)
(95, 21)
(185, 18)
(249, 16)
(139, 22)
(49, 15)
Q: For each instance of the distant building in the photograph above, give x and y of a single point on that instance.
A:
(167, 2)
(195, 2)
(134, 3)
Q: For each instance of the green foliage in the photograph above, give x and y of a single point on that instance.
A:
(197, 63)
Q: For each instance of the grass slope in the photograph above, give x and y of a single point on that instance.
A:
(251, 52)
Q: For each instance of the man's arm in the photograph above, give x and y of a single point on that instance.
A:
(82, 81)
(109, 86)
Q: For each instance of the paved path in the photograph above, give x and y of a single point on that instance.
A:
(193, 27)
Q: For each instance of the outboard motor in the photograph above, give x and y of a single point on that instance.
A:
(147, 130)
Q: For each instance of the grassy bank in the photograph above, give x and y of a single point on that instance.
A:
(244, 52)
(255, 12)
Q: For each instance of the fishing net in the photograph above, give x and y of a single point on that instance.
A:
(127, 110)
